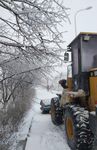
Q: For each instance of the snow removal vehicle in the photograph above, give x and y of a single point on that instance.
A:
(76, 107)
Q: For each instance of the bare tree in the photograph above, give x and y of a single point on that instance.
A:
(30, 43)
(33, 28)
(30, 40)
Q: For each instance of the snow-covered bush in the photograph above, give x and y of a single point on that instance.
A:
(10, 119)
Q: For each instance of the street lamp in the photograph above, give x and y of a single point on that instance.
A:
(75, 16)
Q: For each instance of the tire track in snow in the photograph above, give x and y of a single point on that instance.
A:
(43, 134)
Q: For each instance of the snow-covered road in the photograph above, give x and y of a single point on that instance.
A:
(43, 134)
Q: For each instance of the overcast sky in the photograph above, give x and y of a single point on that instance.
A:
(86, 21)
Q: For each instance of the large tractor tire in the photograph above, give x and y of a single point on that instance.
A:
(56, 111)
(79, 135)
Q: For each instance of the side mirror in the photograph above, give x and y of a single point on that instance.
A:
(66, 56)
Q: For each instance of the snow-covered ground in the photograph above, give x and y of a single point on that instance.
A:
(36, 131)
(43, 134)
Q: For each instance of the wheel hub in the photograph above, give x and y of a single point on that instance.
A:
(69, 128)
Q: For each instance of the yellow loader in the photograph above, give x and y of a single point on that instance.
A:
(76, 107)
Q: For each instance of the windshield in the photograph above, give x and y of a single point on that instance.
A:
(69, 71)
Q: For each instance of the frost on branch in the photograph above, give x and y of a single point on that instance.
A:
(29, 34)
(30, 43)
(33, 27)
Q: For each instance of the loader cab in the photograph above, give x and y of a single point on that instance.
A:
(84, 63)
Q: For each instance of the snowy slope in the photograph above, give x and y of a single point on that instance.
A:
(43, 134)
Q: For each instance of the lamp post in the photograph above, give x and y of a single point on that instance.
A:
(75, 16)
